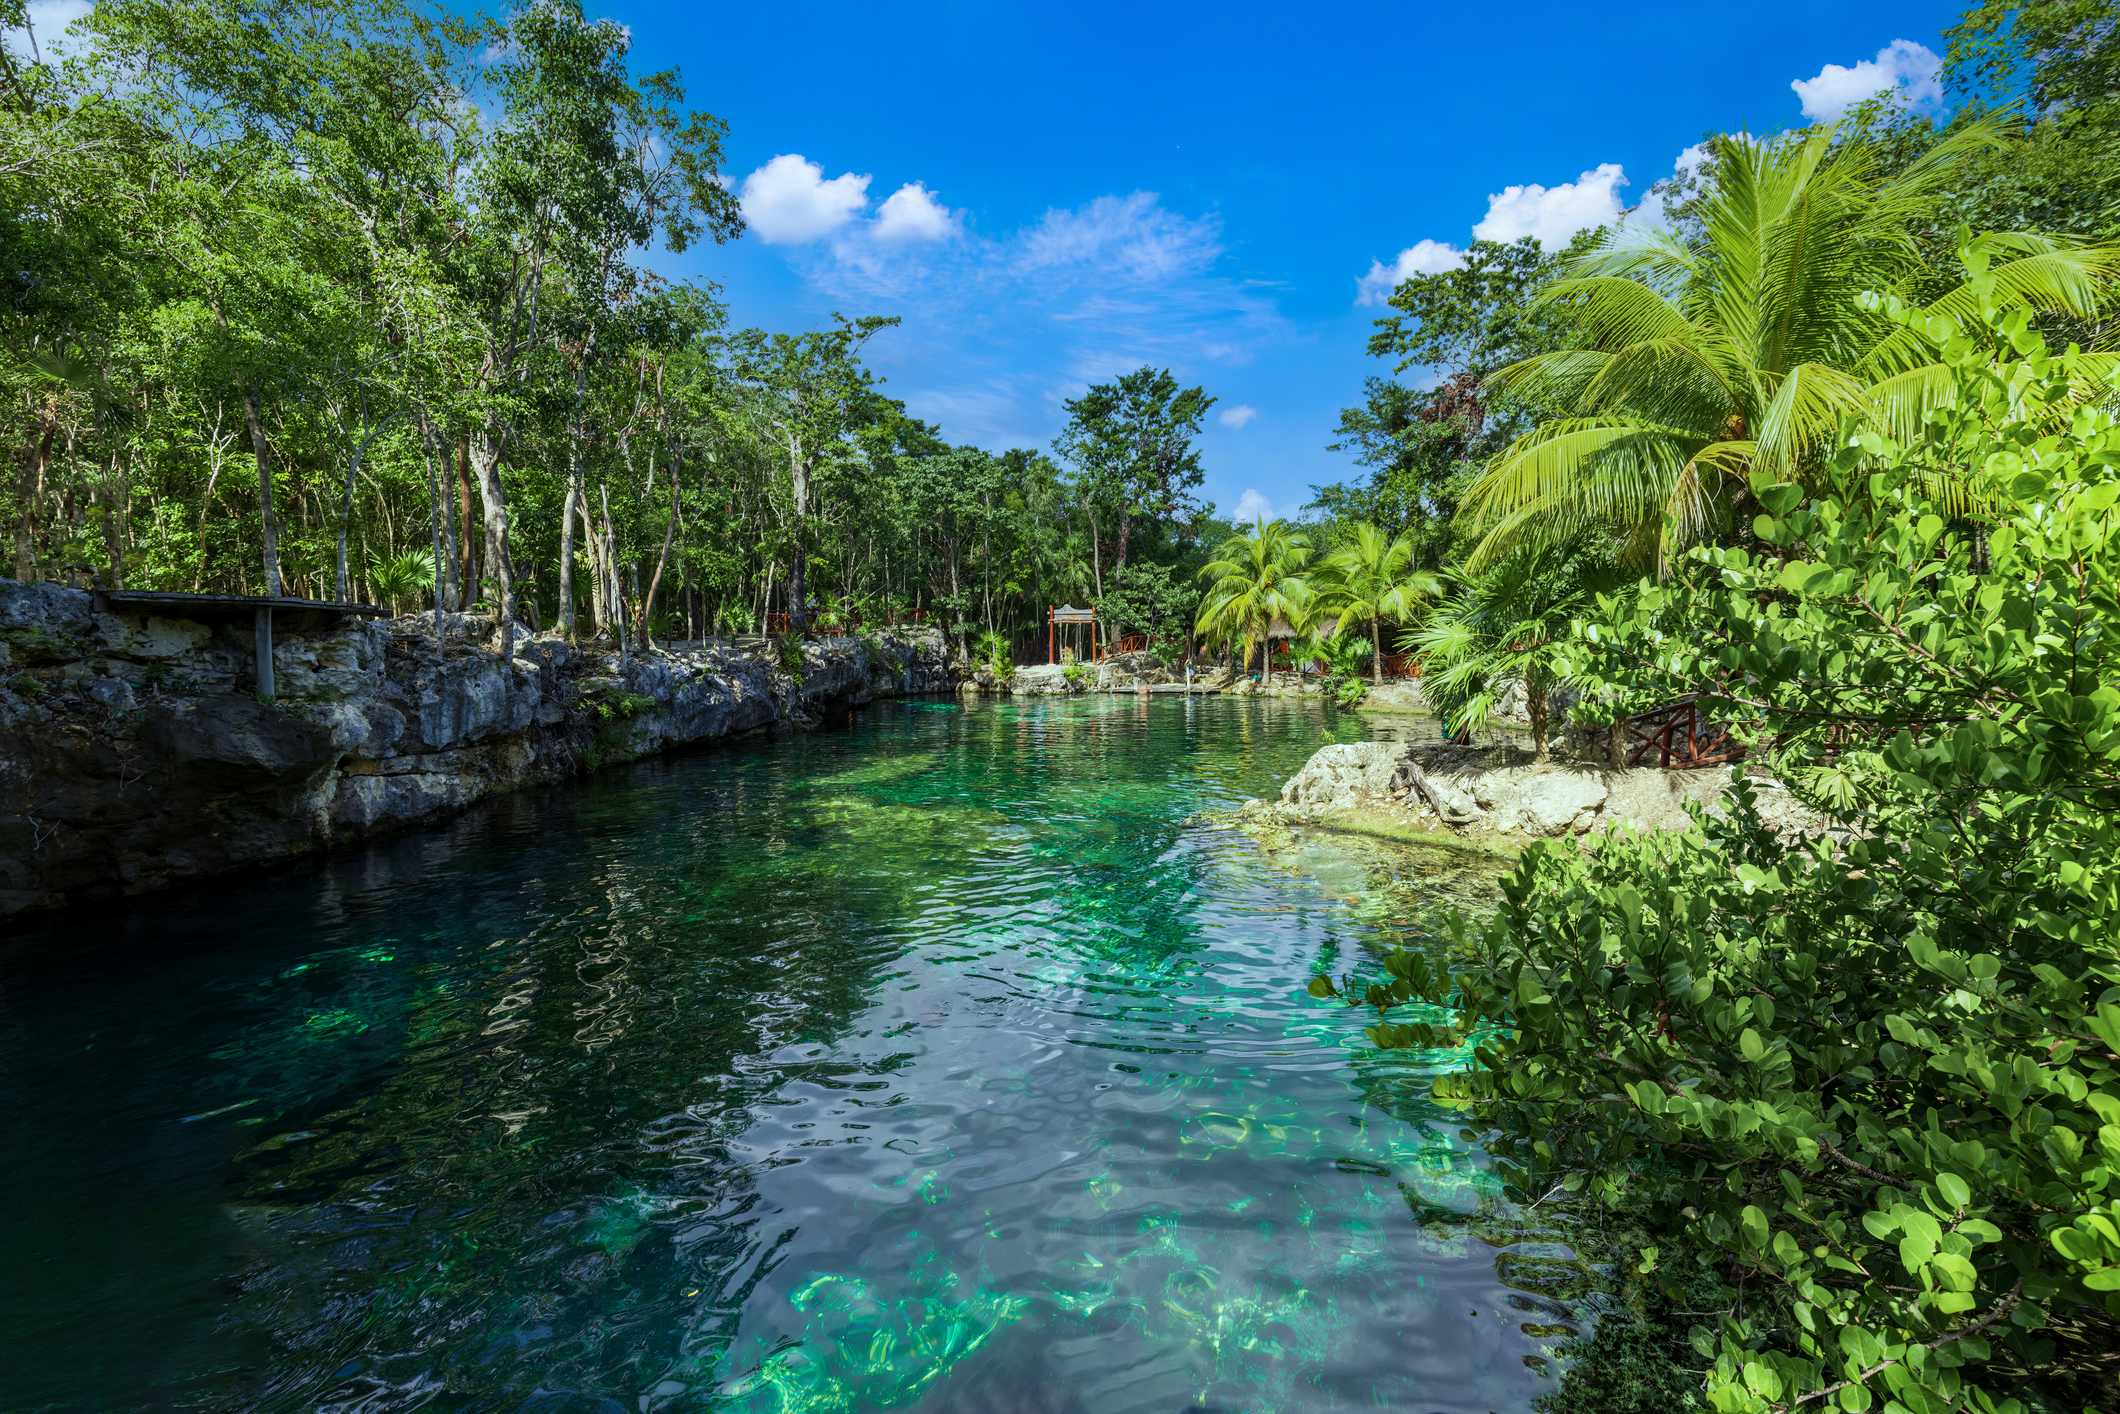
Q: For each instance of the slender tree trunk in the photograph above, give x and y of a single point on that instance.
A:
(669, 532)
(1535, 703)
(471, 570)
(115, 500)
(618, 614)
(495, 503)
(578, 454)
(444, 576)
(566, 549)
(1376, 652)
(269, 518)
(36, 456)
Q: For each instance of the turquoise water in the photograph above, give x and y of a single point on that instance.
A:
(932, 1062)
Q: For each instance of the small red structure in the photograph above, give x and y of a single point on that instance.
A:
(1680, 738)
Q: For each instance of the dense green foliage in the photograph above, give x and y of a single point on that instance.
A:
(308, 292)
(1872, 1072)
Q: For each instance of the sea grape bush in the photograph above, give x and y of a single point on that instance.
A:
(1873, 1072)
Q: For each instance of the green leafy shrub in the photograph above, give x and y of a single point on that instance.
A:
(999, 660)
(1872, 1073)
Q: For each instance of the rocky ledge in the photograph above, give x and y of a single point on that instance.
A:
(133, 755)
(1499, 795)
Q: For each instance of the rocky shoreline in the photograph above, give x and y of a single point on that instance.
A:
(1496, 798)
(134, 754)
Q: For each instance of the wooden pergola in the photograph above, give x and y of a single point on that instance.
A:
(1068, 614)
(260, 607)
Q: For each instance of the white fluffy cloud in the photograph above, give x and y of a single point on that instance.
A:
(1251, 506)
(1554, 214)
(789, 202)
(1236, 417)
(1013, 323)
(1652, 212)
(1130, 235)
(1902, 68)
(1422, 258)
(912, 213)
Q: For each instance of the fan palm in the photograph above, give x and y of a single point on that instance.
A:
(399, 576)
(1511, 622)
(1751, 347)
(1254, 578)
(1372, 578)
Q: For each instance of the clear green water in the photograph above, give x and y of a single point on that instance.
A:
(932, 1063)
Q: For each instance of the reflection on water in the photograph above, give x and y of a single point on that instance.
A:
(936, 1064)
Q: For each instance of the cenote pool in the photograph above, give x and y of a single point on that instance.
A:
(929, 1062)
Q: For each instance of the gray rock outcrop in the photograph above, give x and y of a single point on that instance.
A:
(133, 753)
(1468, 787)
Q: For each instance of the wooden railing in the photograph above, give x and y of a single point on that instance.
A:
(1681, 738)
(778, 623)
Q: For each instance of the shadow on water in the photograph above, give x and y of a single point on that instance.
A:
(934, 1064)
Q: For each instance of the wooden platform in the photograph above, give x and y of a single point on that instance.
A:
(259, 607)
(155, 601)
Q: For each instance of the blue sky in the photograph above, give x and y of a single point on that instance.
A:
(1053, 195)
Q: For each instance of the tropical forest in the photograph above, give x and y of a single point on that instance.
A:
(632, 777)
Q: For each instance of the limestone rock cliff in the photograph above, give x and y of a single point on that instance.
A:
(133, 754)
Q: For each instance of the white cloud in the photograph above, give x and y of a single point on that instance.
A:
(1131, 236)
(1001, 329)
(788, 201)
(1652, 213)
(1251, 506)
(1554, 214)
(911, 213)
(1902, 68)
(1422, 258)
(1234, 418)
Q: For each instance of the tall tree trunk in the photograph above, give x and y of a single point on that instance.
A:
(799, 565)
(566, 549)
(495, 503)
(36, 456)
(444, 574)
(669, 532)
(470, 556)
(1376, 652)
(270, 520)
(114, 501)
(578, 453)
(1535, 704)
(617, 606)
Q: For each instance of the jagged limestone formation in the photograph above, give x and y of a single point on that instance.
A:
(133, 752)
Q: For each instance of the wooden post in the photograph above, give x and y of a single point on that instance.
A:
(264, 645)
(1049, 659)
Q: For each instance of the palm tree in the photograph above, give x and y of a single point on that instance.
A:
(1511, 622)
(1372, 577)
(1748, 350)
(399, 576)
(1255, 578)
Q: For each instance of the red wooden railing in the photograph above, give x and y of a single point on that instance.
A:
(1680, 738)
